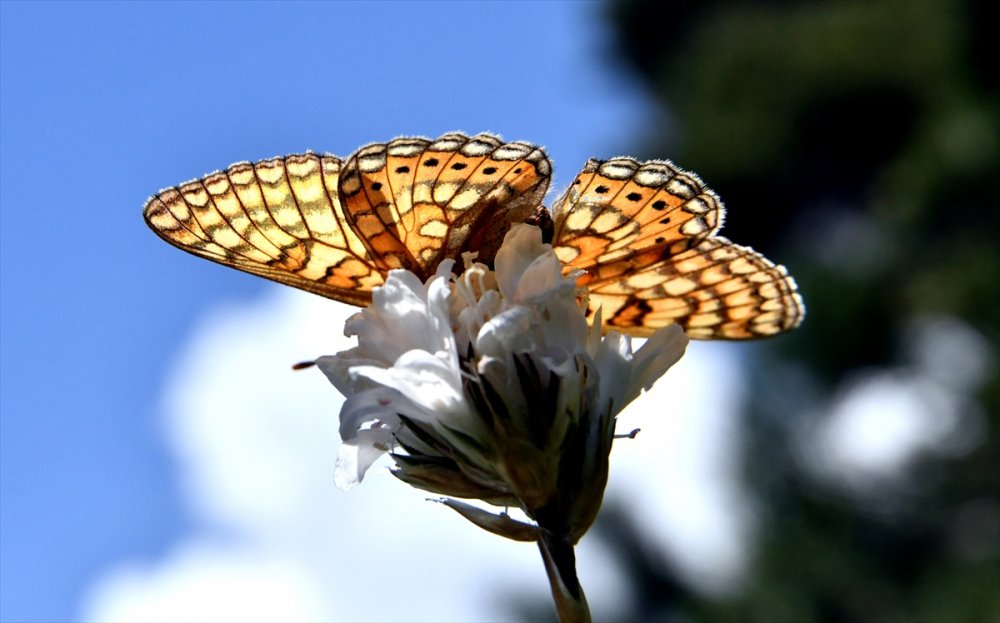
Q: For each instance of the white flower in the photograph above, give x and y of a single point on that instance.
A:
(492, 385)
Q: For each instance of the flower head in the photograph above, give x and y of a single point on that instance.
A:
(492, 385)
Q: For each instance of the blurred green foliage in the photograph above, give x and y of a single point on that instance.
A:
(858, 143)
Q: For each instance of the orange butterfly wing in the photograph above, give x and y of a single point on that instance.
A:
(311, 223)
(644, 232)
(418, 202)
(280, 219)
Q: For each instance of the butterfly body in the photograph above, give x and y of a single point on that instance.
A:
(643, 232)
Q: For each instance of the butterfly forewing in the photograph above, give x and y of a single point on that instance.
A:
(418, 202)
(622, 208)
(278, 218)
(306, 221)
(505, 188)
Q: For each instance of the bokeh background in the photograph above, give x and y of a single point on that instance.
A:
(159, 460)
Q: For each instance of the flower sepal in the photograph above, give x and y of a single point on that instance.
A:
(443, 477)
(500, 524)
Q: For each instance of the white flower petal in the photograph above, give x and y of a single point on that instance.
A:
(368, 423)
(563, 326)
(404, 315)
(432, 385)
(353, 460)
(444, 269)
(661, 350)
(337, 369)
(374, 408)
(542, 277)
(521, 246)
(613, 360)
(507, 332)
(441, 338)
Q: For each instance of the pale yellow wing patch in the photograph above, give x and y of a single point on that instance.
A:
(280, 219)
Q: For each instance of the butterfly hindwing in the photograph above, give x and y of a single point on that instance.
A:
(715, 290)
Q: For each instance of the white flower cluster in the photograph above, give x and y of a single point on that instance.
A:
(492, 385)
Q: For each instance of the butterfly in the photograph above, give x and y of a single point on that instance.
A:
(644, 233)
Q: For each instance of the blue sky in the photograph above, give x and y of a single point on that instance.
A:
(103, 105)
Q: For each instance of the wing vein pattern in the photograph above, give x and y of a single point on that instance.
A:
(644, 233)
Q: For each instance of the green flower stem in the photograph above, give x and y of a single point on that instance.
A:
(560, 566)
